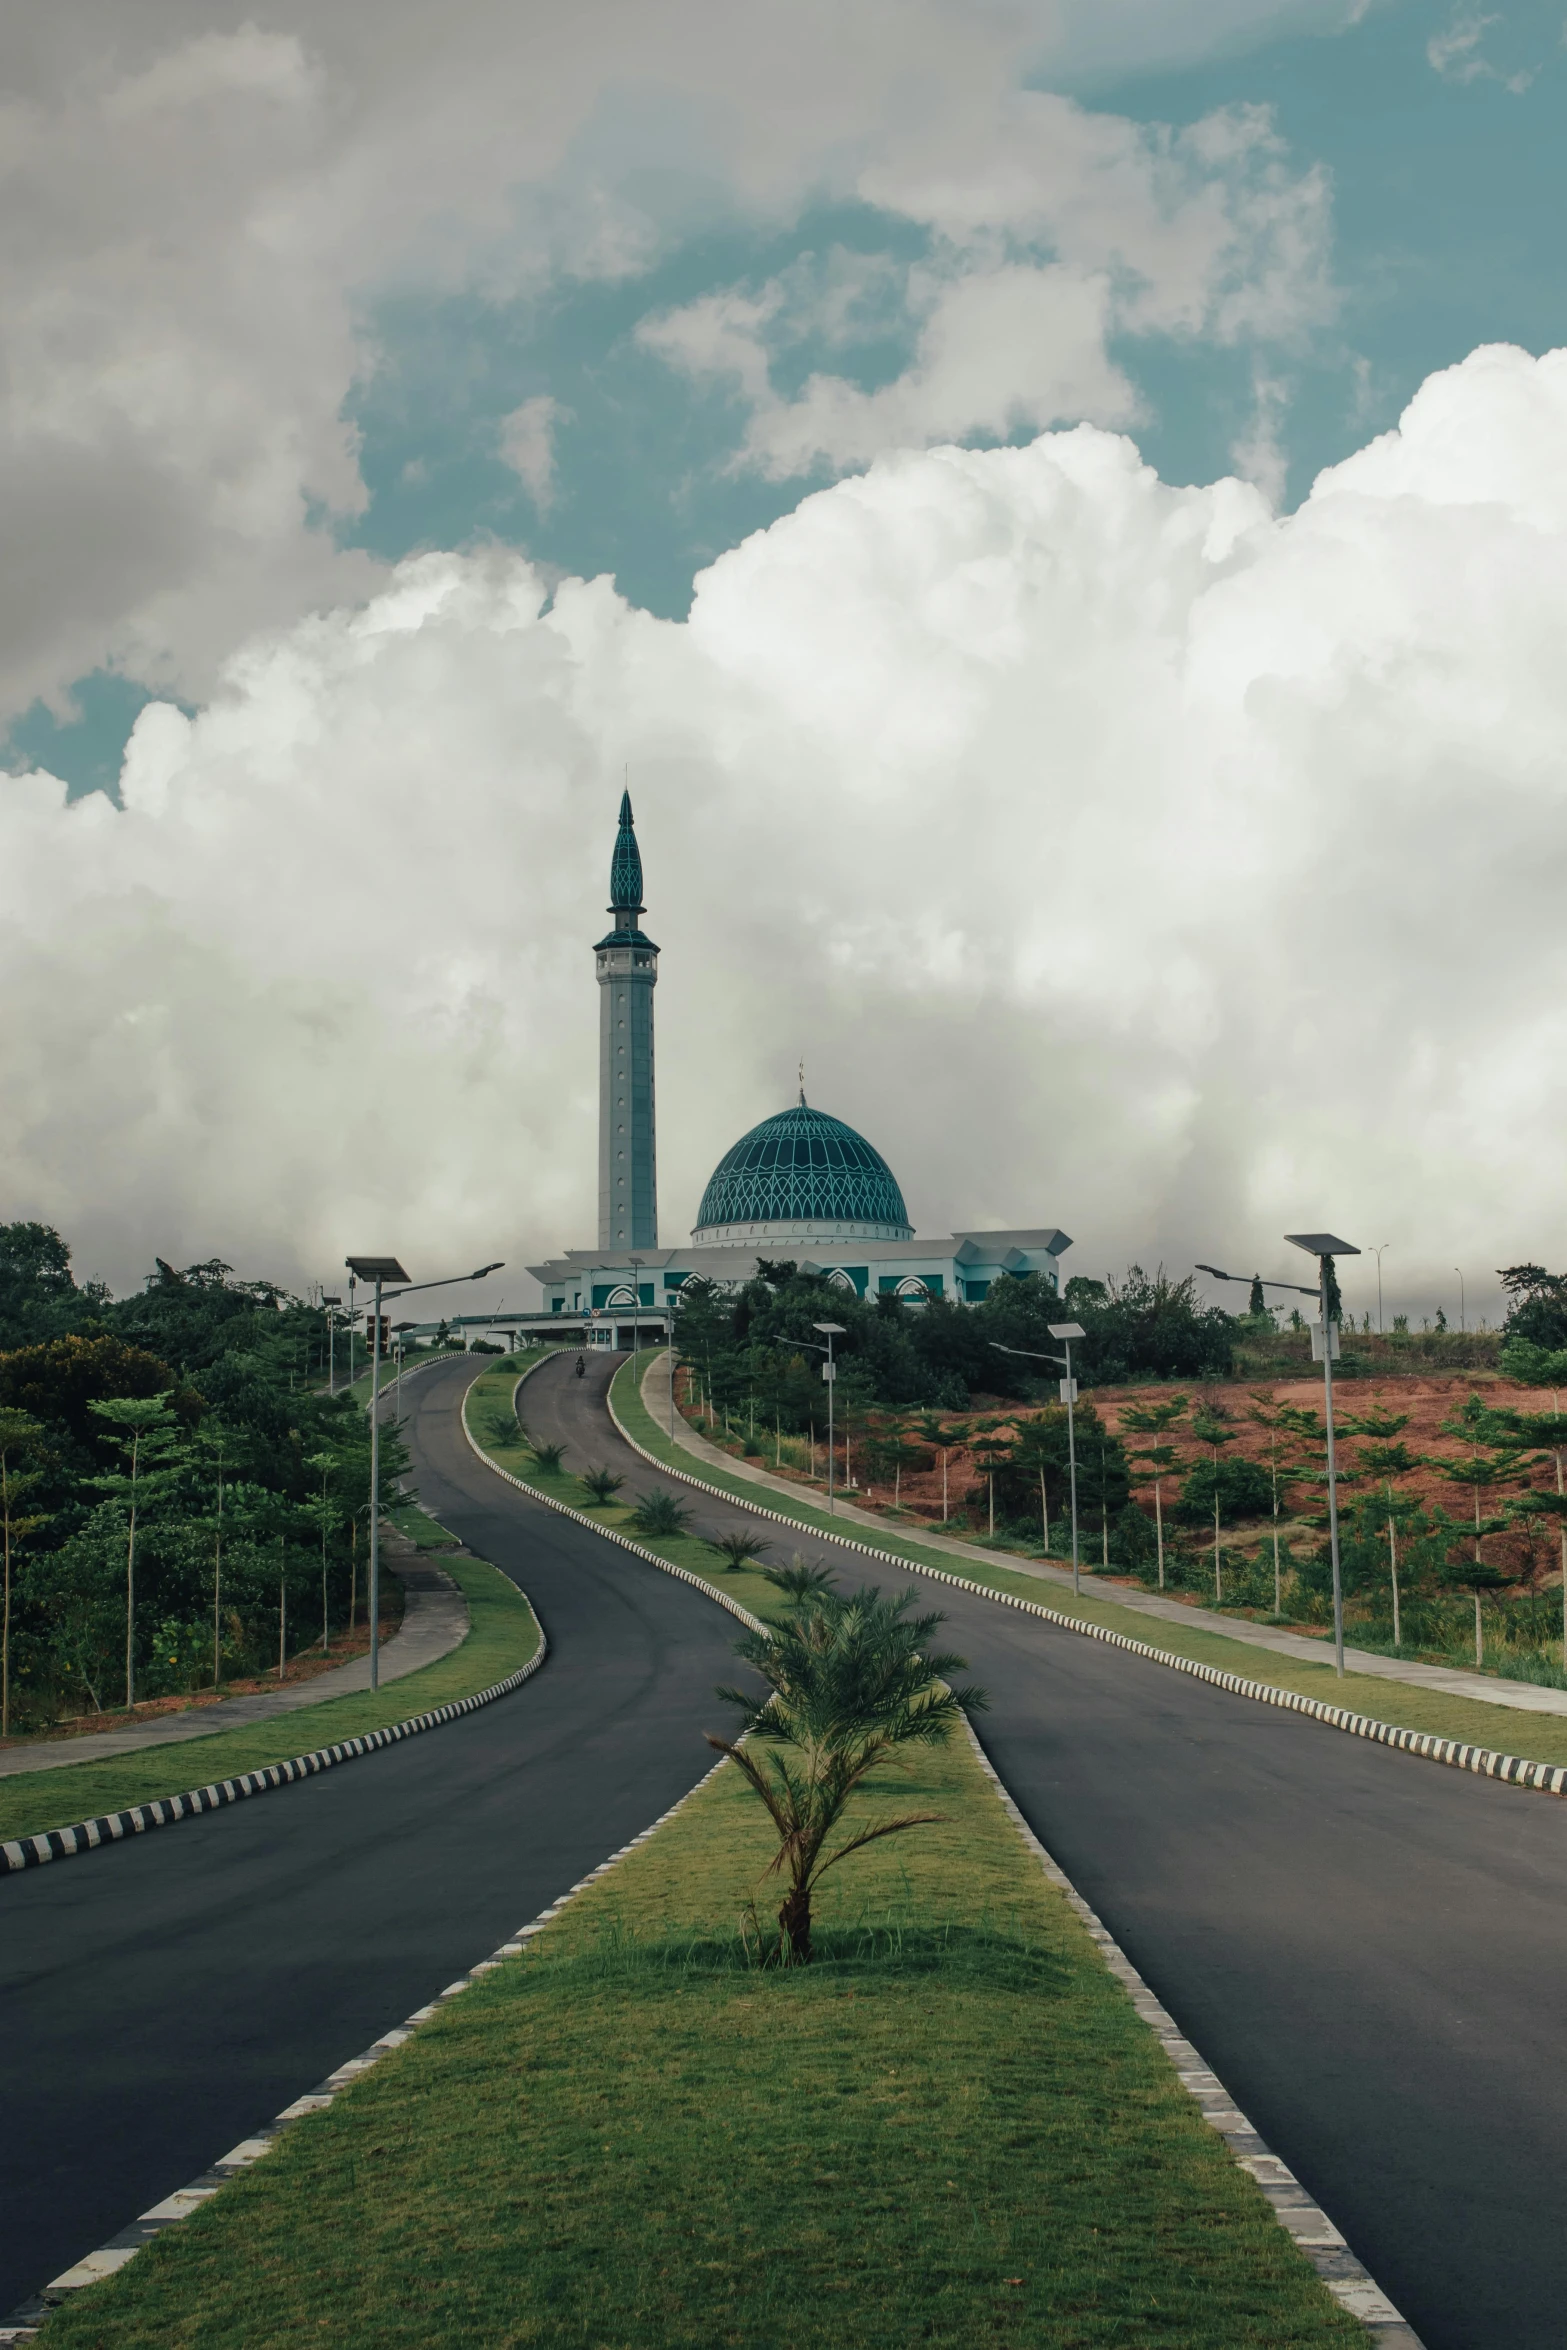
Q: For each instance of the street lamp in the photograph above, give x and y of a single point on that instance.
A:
(1458, 1270)
(636, 1305)
(1324, 1247)
(1066, 1332)
(380, 1270)
(1377, 1253)
(830, 1331)
(331, 1304)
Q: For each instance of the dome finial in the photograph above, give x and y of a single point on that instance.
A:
(802, 1081)
(625, 869)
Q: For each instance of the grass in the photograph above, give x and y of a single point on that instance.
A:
(954, 2128)
(1539, 1737)
(502, 1635)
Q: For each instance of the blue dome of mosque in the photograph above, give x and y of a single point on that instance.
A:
(802, 1175)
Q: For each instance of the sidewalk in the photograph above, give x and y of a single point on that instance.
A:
(435, 1621)
(1518, 1696)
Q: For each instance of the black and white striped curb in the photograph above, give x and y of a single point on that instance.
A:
(606, 1533)
(1517, 1770)
(31, 1852)
(1303, 2221)
(24, 2323)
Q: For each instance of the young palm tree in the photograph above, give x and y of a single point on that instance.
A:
(603, 1484)
(849, 1683)
(547, 1456)
(660, 1515)
(737, 1550)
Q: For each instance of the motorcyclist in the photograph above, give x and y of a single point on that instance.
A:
(582, 1364)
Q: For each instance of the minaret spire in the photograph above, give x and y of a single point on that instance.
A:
(625, 869)
(627, 963)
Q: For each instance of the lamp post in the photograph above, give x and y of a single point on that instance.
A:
(1377, 1253)
(830, 1331)
(1324, 1247)
(1066, 1332)
(636, 1305)
(1459, 1271)
(331, 1304)
(380, 1270)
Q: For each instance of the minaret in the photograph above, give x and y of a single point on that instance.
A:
(627, 975)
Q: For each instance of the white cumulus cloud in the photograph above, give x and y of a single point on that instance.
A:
(1118, 854)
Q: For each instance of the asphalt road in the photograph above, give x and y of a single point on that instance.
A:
(163, 1998)
(1369, 1949)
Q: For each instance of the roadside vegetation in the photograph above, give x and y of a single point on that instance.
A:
(1539, 1737)
(182, 1507)
(1208, 1487)
(503, 1634)
(951, 2126)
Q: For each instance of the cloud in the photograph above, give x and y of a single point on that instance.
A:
(1055, 234)
(201, 215)
(1120, 854)
(527, 444)
(1455, 54)
(999, 352)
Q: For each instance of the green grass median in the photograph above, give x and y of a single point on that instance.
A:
(502, 1636)
(953, 2128)
(1509, 1730)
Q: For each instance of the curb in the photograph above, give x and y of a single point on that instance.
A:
(33, 1852)
(1302, 2219)
(24, 2323)
(1515, 1770)
(605, 1533)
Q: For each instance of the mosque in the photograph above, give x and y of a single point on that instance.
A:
(801, 1185)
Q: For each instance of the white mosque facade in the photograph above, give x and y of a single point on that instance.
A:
(802, 1186)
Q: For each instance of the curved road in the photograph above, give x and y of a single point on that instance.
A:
(1369, 1949)
(163, 1998)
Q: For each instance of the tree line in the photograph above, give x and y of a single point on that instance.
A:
(181, 1505)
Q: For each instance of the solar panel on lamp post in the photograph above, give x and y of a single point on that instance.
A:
(380, 1270)
(1324, 1246)
(1066, 1332)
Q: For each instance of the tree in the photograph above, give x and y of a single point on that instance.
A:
(738, 1550)
(1476, 1575)
(1208, 1428)
(1548, 1430)
(20, 1436)
(1537, 1305)
(147, 1434)
(327, 1515)
(946, 1439)
(1156, 1420)
(1033, 1454)
(1385, 1459)
(849, 1684)
(1276, 1418)
(660, 1515)
(992, 1450)
(602, 1484)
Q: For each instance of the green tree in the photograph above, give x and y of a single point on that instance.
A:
(738, 1550)
(602, 1484)
(1156, 1420)
(144, 1431)
(1385, 1459)
(1283, 1435)
(850, 1683)
(947, 1438)
(1209, 1429)
(20, 1436)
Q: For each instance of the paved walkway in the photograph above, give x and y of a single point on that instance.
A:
(1519, 1696)
(435, 1621)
